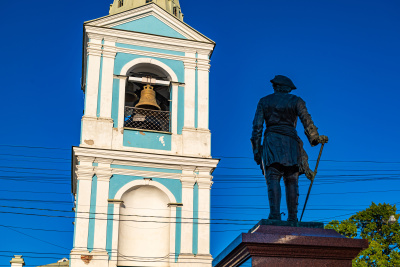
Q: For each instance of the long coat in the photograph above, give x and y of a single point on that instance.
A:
(282, 145)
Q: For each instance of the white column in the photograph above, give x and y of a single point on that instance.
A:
(17, 261)
(93, 75)
(115, 235)
(174, 119)
(203, 92)
(190, 88)
(172, 231)
(204, 182)
(103, 185)
(107, 78)
(84, 176)
(188, 181)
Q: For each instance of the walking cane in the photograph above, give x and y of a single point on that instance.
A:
(312, 181)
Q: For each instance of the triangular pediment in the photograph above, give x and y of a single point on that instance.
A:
(150, 24)
(150, 19)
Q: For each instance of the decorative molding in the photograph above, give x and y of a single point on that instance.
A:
(137, 183)
(190, 64)
(204, 184)
(149, 54)
(161, 159)
(103, 176)
(122, 35)
(152, 9)
(188, 183)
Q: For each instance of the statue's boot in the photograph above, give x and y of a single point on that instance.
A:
(292, 195)
(273, 177)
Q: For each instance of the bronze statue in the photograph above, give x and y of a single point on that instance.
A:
(282, 153)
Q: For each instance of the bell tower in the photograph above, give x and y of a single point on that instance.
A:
(142, 173)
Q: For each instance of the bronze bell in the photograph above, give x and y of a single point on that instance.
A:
(148, 99)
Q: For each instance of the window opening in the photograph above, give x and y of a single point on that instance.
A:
(175, 11)
(147, 102)
(149, 1)
(120, 3)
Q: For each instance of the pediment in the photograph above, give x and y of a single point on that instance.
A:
(150, 19)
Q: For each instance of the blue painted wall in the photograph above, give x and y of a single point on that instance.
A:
(178, 231)
(99, 90)
(149, 49)
(150, 25)
(135, 168)
(181, 109)
(92, 214)
(115, 100)
(195, 218)
(149, 140)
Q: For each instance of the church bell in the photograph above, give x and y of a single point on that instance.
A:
(148, 99)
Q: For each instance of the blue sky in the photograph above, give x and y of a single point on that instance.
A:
(343, 56)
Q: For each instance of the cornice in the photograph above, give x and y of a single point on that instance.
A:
(139, 157)
(144, 37)
(157, 45)
(150, 174)
(149, 54)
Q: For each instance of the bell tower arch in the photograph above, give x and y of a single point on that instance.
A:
(142, 173)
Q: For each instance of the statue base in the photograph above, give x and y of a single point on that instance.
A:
(286, 223)
(273, 243)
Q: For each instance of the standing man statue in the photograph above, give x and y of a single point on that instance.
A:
(282, 153)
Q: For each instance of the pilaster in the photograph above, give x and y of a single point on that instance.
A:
(188, 181)
(93, 72)
(203, 68)
(204, 183)
(103, 173)
(84, 174)
(190, 88)
(109, 52)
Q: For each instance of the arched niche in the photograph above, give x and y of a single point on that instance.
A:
(145, 224)
(165, 76)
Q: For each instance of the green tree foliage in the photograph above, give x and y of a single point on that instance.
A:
(372, 224)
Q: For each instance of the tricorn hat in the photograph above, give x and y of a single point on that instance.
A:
(283, 80)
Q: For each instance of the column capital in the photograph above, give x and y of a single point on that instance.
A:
(94, 51)
(204, 184)
(203, 67)
(84, 172)
(188, 183)
(190, 64)
(109, 51)
(204, 171)
(104, 176)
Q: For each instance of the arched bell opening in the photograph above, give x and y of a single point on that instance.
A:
(148, 98)
(144, 227)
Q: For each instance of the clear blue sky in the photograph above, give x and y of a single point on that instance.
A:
(342, 55)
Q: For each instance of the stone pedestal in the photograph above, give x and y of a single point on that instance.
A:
(270, 245)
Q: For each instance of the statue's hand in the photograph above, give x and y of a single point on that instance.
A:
(257, 158)
(322, 139)
(310, 175)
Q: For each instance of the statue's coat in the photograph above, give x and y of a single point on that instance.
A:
(282, 145)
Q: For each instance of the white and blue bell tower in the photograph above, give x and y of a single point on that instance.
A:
(142, 173)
